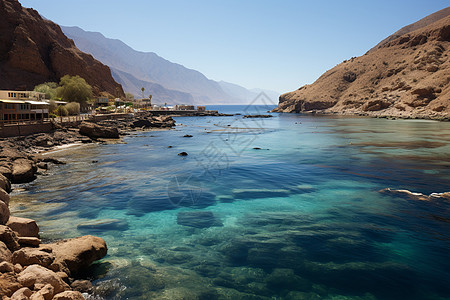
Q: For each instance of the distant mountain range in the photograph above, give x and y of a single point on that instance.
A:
(165, 81)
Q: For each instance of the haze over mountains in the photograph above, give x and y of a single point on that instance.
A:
(166, 81)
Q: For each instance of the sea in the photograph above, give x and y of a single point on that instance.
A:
(286, 207)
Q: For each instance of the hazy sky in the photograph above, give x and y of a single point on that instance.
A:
(277, 45)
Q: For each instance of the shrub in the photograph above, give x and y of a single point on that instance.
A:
(73, 108)
(62, 111)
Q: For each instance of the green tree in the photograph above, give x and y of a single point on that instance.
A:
(49, 88)
(74, 89)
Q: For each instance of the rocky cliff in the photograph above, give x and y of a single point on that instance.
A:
(405, 75)
(34, 50)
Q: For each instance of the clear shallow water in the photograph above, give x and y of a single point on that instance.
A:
(300, 218)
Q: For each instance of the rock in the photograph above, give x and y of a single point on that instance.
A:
(198, 219)
(32, 256)
(82, 286)
(141, 123)
(349, 76)
(405, 194)
(28, 241)
(5, 253)
(257, 116)
(95, 131)
(104, 224)
(8, 237)
(6, 267)
(23, 171)
(36, 274)
(4, 197)
(4, 213)
(8, 285)
(45, 293)
(18, 268)
(4, 183)
(22, 294)
(182, 154)
(77, 253)
(187, 135)
(69, 295)
(23, 227)
(42, 165)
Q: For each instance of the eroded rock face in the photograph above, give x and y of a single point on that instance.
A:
(406, 76)
(74, 254)
(34, 50)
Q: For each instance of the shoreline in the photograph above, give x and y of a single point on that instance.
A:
(440, 118)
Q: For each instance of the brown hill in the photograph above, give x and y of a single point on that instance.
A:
(406, 75)
(34, 50)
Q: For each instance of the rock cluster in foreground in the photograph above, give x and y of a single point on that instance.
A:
(31, 270)
(407, 75)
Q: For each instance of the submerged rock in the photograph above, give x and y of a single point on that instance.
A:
(198, 219)
(104, 224)
(259, 193)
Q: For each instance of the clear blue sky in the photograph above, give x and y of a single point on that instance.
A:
(277, 45)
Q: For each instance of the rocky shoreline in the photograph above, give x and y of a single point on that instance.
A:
(28, 268)
(380, 115)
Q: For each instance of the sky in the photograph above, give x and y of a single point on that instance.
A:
(275, 45)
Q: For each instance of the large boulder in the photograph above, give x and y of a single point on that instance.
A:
(35, 274)
(9, 237)
(69, 295)
(4, 197)
(95, 131)
(5, 253)
(74, 254)
(23, 170)
(4, 213)
(32, 256)
(4, 183)
(23, 227)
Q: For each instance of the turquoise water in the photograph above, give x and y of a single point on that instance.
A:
(299, 218)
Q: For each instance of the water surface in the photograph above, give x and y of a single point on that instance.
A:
(279, 208)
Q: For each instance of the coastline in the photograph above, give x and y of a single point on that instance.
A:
(29, 268)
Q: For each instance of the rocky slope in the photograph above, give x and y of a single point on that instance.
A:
(34, 50)
(406, 75)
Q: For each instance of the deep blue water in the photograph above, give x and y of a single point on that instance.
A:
(279, 208)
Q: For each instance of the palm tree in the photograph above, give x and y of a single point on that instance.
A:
(143, 89)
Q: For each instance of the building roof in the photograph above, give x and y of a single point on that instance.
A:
(12, 101)
(37, 102)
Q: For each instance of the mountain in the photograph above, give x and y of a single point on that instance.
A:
(34, 50)
(405, 75)
(166, 81)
